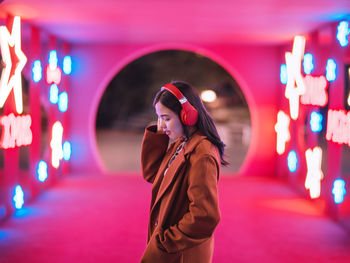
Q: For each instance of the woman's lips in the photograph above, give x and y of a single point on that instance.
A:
(167, 132)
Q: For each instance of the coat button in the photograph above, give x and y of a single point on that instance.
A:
(156, 223)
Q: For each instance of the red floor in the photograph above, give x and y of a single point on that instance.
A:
(104, 219)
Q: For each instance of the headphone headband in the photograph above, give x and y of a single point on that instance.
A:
(175, 91)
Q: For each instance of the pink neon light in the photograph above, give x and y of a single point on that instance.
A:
(16, 131)
(295, 85)
(282, 130)
(315, 91)
(53, 75)
(14, 63)
(56, 144)
(314, 173)
(338, 126)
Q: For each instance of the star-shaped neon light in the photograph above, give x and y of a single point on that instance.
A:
(282, 130)
(295, 85)
(314, 173)
(10, 45)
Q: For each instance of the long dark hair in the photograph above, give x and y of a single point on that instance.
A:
(205, 123)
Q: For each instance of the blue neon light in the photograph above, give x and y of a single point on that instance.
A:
(343, 33)
(18, 198)
(316, 119)
(54, 94)
(308, 63)
(292, 161)
(37, 71)
(42, 171)
(67, 150)
(331, 70)
(53, 60)
(67, 65)
(284, 74)
(63, 102)
(339, 190)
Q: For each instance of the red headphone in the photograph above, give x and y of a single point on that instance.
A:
(189, 115)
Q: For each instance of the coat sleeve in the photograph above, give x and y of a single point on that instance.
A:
(154, 147)
(199, 223)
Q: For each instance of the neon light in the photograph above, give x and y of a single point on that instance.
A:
(338, 126)
(314, 173)
(63, 102)
(37, 71)
(53, 60)
(292, 161)
(283, 74)
(42, 171)
(343, 33)
(11, 74)
(282, 130)
(295, 84)
(56, 144)
(331, 70)
(16, 131)
(18, 197)
(67, 150)
(53, 93)
(308, 63)
(349, 99)
(315, 91)
(53, 72)
(316, 121)
(67, 65)
(53, 76)
(339, 190)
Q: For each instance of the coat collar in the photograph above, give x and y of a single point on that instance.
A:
(166, 180)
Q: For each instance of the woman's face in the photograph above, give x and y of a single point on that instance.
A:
(169, 122)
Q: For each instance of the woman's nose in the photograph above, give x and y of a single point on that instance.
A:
(162, 123)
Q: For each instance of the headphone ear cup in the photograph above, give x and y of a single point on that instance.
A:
(189, 115)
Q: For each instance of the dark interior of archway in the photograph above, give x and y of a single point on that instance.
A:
(126, 105)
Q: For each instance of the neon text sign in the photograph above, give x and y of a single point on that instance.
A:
(315, 91)
(15, 131)
(338, 126)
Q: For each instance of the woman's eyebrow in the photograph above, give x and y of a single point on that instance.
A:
(164, 115)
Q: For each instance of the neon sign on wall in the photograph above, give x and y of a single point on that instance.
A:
(282, 130)
(338, 126)
(315, 91)
(15, 131)
(314, 173)
(295, 85)
(11, 78)
(311, 90)
(53, 72)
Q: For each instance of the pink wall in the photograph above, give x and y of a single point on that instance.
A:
(255, 68)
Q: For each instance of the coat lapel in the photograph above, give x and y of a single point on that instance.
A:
(176, 165)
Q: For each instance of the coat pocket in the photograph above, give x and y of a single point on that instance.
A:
(155, 254)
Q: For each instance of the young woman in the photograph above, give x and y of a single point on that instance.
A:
(184, 206)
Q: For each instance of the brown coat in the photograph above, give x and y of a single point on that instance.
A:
(184, 207)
